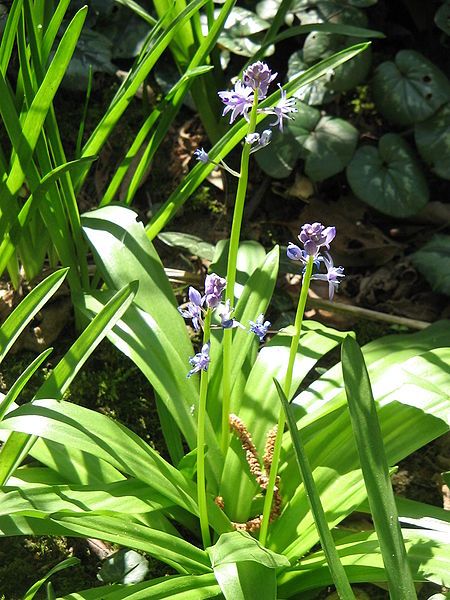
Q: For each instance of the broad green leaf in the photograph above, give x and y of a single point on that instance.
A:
(337, 572)
(251, 255)
(433, 141)
(150, 347)
(166, 547)
(388, 178)
(244, 568)
(240, 546)
(325, 143)
(128, 497)
(428, 559)
(419, 514)
(369, 441)
(246, 580)
(409, 396)
(172, 587)
(315, 92)
(433, 261)
(410, 89)
(22, 315)
(96, 434)
(18, 445)
(189, 242)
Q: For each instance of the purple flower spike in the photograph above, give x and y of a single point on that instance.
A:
(332, 275)
(259, 327)
(193, 309)
(295, 253)
(259, 141)
(283, 109)
(258, 77)
(226, 319)
(214, 286)
(314, 236)
(201, 155)
(200, 361)
(238, 102)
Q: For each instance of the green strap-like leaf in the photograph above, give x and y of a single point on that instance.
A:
(22, 315)
(375, 470)
(340, 580)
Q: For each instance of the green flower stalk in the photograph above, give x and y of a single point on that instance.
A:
(231, 275)
(313, 238)
(201, 479)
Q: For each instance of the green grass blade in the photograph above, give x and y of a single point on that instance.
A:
(53, 27)
(11, 231)
(9, 34)
(19, 444)
(21, 382)
(127, 91)
(37, 113)
(66, 370)
(138, 10)
(220, 150)
(369, 441)
(340, 579)
(30, 305)
(65, 564)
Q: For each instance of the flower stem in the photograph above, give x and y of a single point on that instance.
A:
(201, 482)
(231, 274)
(287, 388)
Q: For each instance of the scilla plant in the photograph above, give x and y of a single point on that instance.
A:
(231, 524)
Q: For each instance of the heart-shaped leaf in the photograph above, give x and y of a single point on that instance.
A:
(325, 143)
(433, 261)
(410, 89)
(328, 11)
(239, 26)
(189, 242)
(433, 141)
(314, 93)
(124, 566)
(388, 177)
(319, 45)
(442, 17)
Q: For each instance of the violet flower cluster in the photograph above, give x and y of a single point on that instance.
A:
(212, 299)
(314, 237)
(239, 102)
